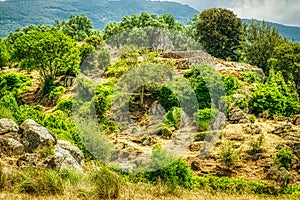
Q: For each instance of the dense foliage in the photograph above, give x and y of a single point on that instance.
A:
(219, 31)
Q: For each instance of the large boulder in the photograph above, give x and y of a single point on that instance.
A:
(36, 135)
(7, 125)
(74, 151)
(63, 159)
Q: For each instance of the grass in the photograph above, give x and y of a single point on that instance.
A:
(99, 182)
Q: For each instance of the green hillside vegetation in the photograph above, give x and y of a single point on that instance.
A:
(68, 49)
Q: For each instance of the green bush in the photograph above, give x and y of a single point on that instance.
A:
(103, 98)
(172, 117)
(55, 93)
(205, 117)
(65, 105)
(284, 158)
(235, 186)
(173, 172)
(120, 68)
(14, 84)
(231, 83)
(204, 135)
(256, 145)
(9, 102)
(250, 77)
(108, 184)
(4, 54)
(228, 154)
(275, 96)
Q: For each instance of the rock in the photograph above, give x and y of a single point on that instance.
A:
(37, 135)
(29, 160)
(74, 151)
(7, 125)
(296, 120)
(219, 123)
(237, 115)
(196, 146)
(62, 159)
(282, 129)
(11, 146)
(238, 96)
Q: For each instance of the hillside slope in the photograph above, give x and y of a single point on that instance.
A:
(19, 13)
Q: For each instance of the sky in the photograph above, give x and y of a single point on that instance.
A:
(280, 11)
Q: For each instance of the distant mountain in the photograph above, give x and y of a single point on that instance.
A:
(290, 32)
(20, 13)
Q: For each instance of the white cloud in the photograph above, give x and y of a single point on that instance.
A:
(280, 11)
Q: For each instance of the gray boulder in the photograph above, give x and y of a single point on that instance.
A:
(7, 125)
(11, 146)
(37, 135)
(74, 151)
(63, 159)
(237, 115)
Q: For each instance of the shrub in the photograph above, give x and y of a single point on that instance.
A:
(228, 155)
(120, 68)
(172, 117)
(14, 84)
(103, 98)
(175, 93)
(204, 135)
(55, 93)
(250, 77)
(231, 83)
(284, 158)
(6, 113)
(205, 117)
(65, 105)
(235, 185)
(108, 184)
(275, 96)
(256, 144)
(171, 171)
(282, 177)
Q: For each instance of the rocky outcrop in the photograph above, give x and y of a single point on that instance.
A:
(32, 145)
(36, 135)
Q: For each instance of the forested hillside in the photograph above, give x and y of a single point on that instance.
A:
(20, 13)
(150, 108)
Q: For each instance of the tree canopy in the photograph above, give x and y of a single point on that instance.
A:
(219, 31)
(50, 52)
(78, 27)
(260, 41)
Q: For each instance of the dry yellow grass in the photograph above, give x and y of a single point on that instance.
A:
(148, 192)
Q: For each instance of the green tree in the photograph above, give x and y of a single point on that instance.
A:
(260, 42)
(286, 58)
(52, 53)
(219, 31)
(4, 54)
(78, 27)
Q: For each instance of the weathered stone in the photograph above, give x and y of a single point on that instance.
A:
(219, 123)
(237, 115)
(74, 151)
(62, 159)
(11, 146)
(282, 129)
(296, 120)
(29, 160)
(196, 146)
(37, 135)
(7, 125)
